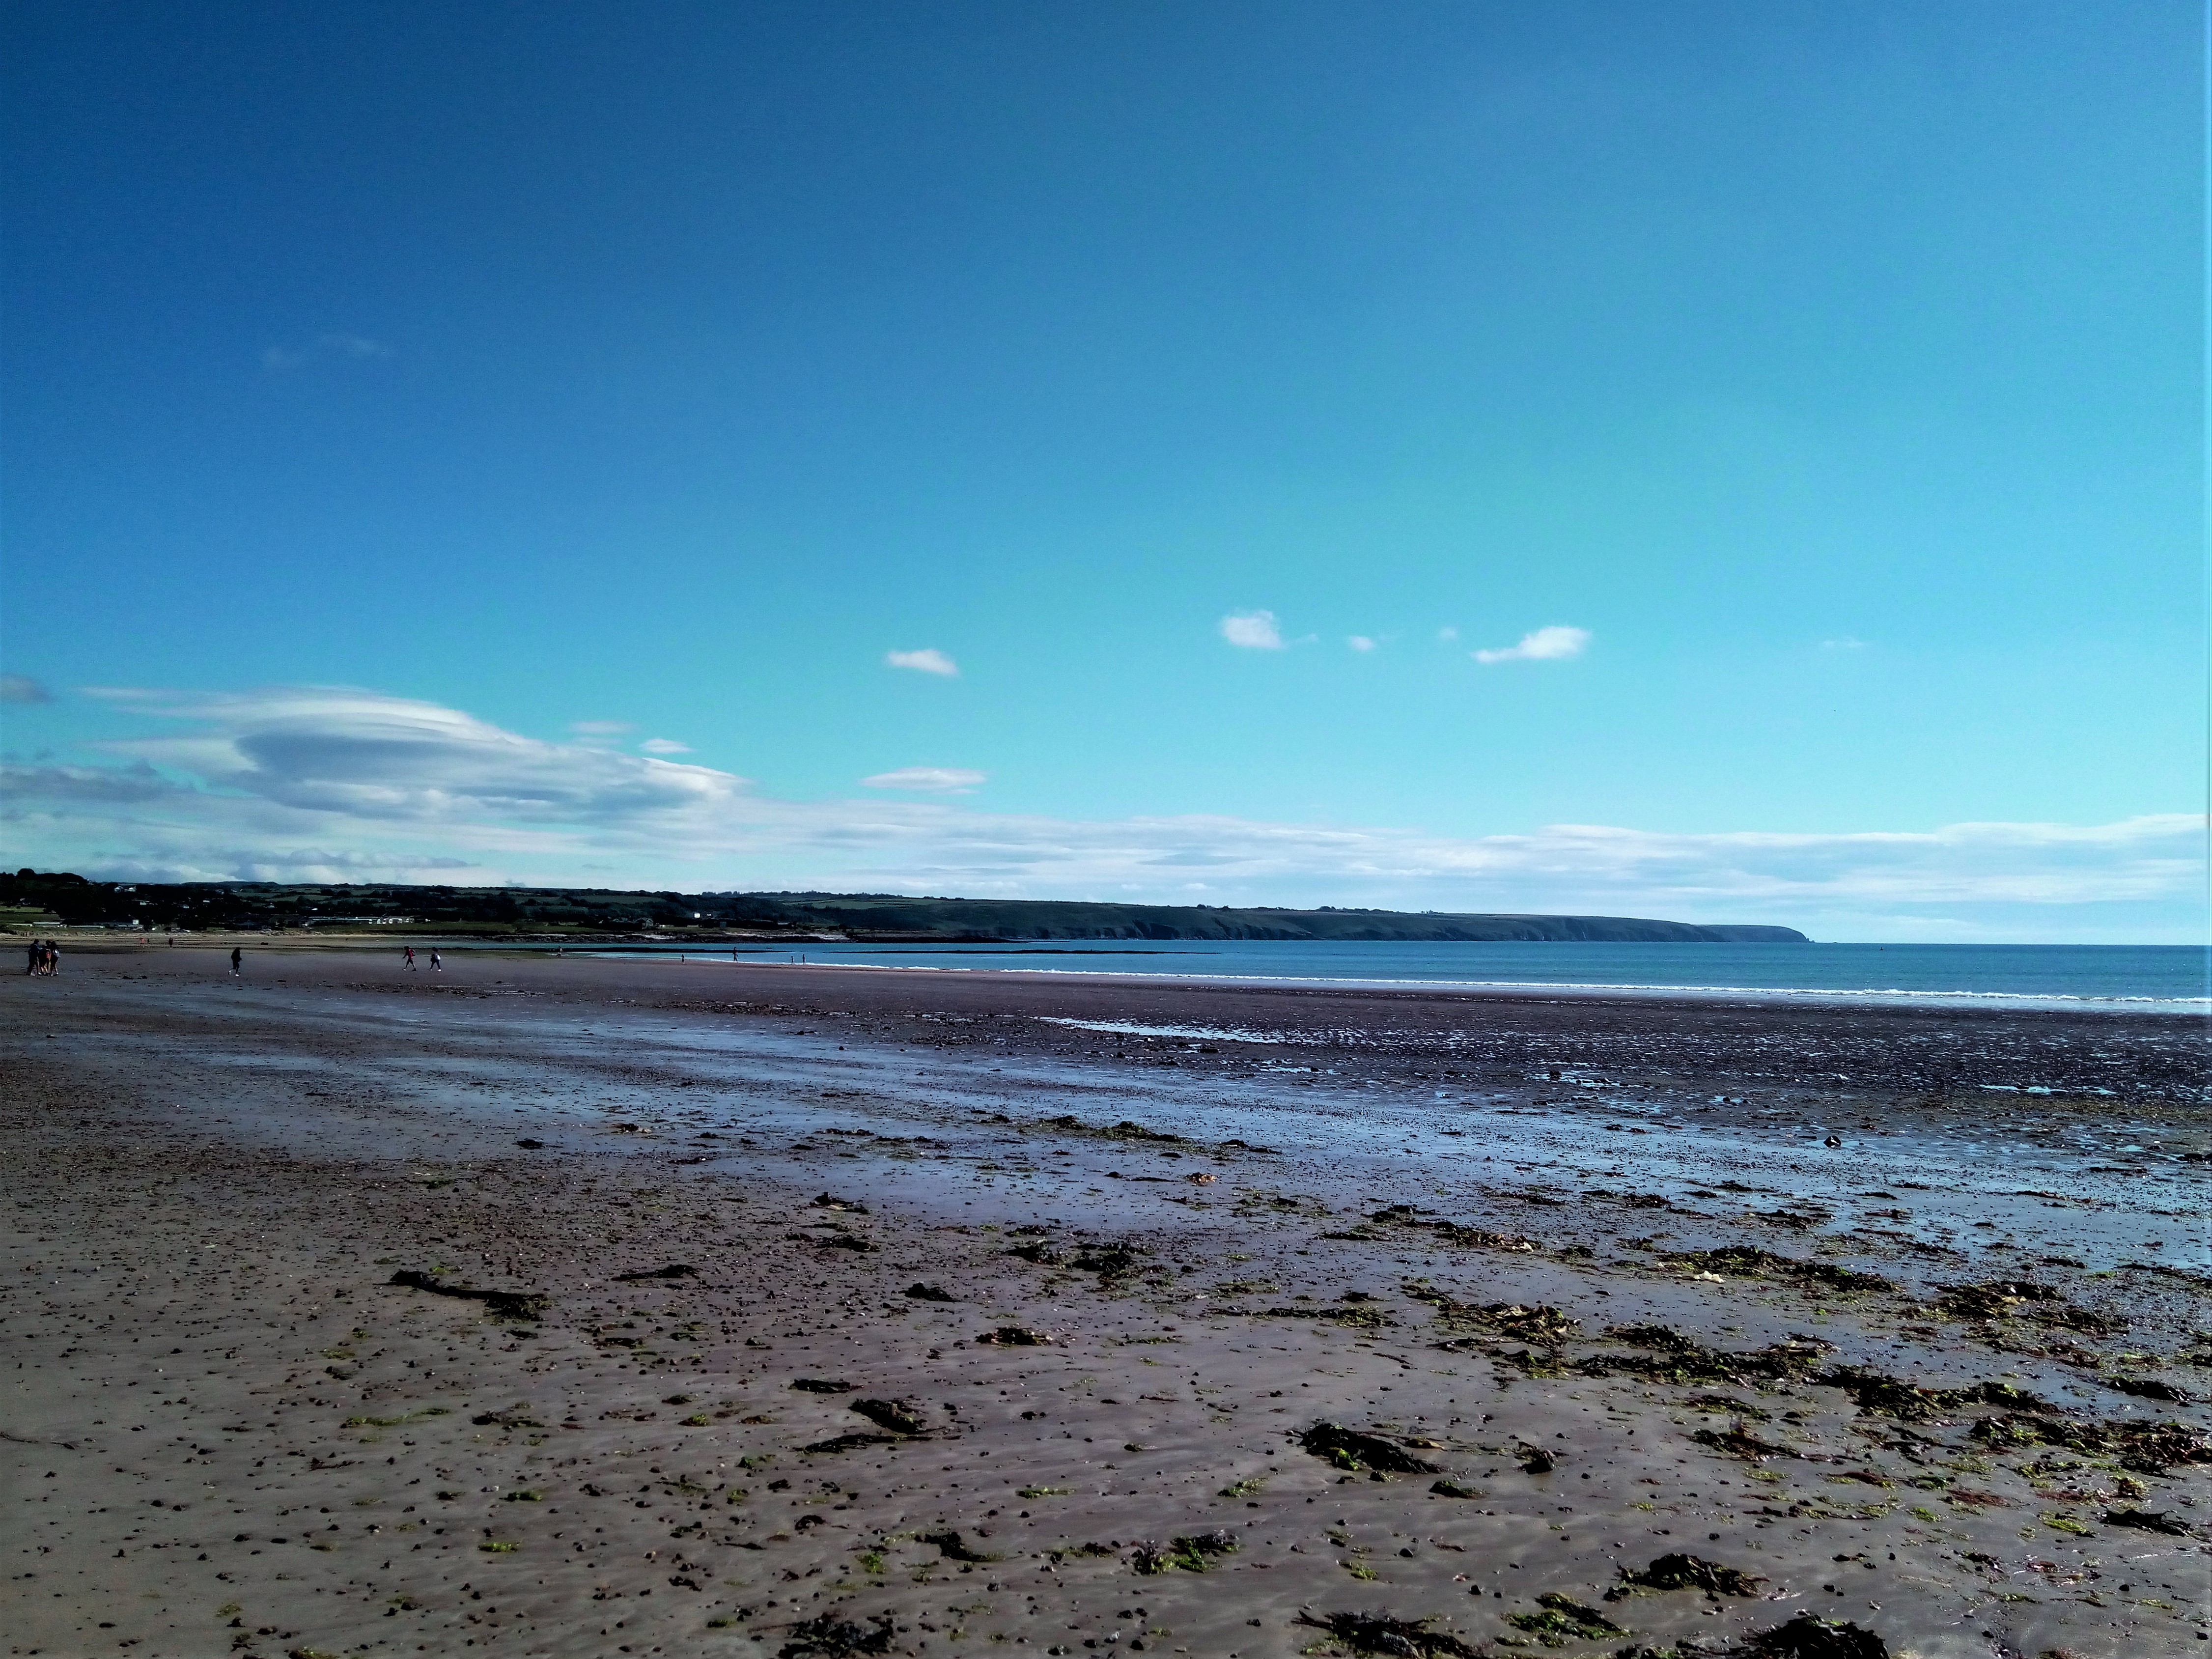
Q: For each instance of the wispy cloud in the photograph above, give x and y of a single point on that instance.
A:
(355, 347)
(664, 746)
(929, 780)
(22, 687)
(1254, 630)
(330, 783)
(1846, 643)
(600, 734)
(1359, 642)
(927, 660)
(1447, 634)
(1543, 644)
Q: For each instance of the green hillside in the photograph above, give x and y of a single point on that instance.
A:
(1053, 919)
(586, 912)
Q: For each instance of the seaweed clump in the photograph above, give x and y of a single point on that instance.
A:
(511, 1305)
(1079, 1553)
(1522, 1322)
(1358, 1318)
(1399, 1639)
(2145, 1448)
(1349, 1449)
(2150, 1388)
(2147, 1520)
(1481, 1239)
(514, 1417)
(1190, 1554)
(893, 1414)
(953, 1547)
(826, 1636)
(1738, 1441)
(1565, 1617)
(1679, 1571)
(1451, 1232)
(1108, 1262)
(2000, 1298)
(1807, 1637)
(1748, 1261)
(1880, 1394)
(1671, 1356)
(1125, 1130)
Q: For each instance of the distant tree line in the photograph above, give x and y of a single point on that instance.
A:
(30, 896)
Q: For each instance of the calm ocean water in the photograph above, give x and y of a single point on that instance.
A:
(2143, 977)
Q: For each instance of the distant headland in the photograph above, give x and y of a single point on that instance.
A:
(30, 899)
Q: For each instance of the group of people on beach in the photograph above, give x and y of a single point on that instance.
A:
(46, 957)
(437, 961)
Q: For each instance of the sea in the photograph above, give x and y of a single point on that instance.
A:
(2143, 978)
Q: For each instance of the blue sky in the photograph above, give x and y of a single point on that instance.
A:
(564, 380)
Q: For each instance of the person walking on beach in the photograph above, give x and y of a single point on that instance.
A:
(237, 956)
(53, 957)
(408, 962)
(34, 956)
(437, 961)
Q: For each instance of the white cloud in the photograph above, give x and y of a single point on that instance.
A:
(1254, 630)
(328, 783)
(1359, 642)
(600, 728)
(927, 660)
(930, 780)
(22, 687)
(664, 746)
(1447, 634)
(1846, 643)
(1545, 645)
(366, 755)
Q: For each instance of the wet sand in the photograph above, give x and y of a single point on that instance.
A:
(1581, 1284)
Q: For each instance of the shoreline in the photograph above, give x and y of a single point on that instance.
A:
(754, 953)
(2026, 1001)
(1424, 1218)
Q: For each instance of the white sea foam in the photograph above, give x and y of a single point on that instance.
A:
(2012, 998)
(2085, 1001)
(1217, 1033)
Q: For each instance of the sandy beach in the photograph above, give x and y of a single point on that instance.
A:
(572, 1306)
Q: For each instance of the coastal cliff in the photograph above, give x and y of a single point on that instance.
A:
(1038, 919)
